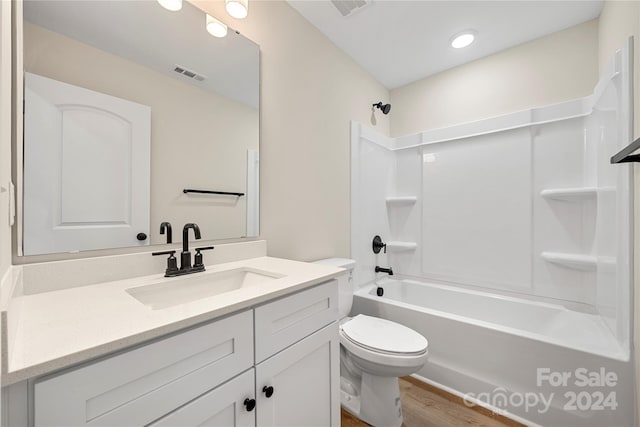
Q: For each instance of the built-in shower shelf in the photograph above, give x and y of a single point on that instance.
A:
(579, 261)
(574, 194)
(399, 246)
(401, 201)
(579, 193)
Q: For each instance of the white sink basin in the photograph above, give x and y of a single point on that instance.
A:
(180, 290)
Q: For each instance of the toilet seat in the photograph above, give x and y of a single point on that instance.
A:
(383, 336)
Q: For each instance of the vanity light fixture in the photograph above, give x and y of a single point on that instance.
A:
(215, 27)
(463, 39)
(237, 8)
(172, 5)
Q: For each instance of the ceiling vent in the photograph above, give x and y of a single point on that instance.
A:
(349, 7)
(189, 73)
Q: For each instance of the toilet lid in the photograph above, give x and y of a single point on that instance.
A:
(384, 335)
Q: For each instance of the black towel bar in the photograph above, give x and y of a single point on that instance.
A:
(226, 193)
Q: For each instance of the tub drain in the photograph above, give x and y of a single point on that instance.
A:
(379, 291)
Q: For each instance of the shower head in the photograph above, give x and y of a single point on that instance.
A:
(384, 107)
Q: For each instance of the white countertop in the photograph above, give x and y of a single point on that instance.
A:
(61, 328)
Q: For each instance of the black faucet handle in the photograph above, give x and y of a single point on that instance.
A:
(172, 262)
(197, 259)
(170, 253)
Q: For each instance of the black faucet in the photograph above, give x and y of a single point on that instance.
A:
(166, 226)
(389, 270)
(185, 256)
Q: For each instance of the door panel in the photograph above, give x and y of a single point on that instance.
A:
(221, 407)
(96, 162)
(86, 183)
(305, 379)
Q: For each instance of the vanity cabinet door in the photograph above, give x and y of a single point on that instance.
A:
(221, 407)
(143, 385)
(305, 381)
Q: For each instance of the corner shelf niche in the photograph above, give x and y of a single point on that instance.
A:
(398, 246)
(573, 194)
(401, 200)
(578, 261)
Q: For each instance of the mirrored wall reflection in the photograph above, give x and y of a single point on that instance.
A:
(83, 172)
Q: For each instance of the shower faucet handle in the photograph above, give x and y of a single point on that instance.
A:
(378, 244)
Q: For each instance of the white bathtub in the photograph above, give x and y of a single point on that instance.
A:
(533, 361)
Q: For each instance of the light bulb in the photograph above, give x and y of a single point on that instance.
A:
(172, 5)
(215, 27)
(237, 8)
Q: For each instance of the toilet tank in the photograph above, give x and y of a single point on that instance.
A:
(345, 282)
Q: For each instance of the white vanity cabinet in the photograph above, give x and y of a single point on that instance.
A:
(276, 364)
(297, 380)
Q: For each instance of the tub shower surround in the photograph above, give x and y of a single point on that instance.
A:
(518, 231)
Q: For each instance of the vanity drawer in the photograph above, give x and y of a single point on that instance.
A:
(285, 321)
(141, 385)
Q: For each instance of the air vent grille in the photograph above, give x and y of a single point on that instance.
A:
(189, 73)
(349, 7)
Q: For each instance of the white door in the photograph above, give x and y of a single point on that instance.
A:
(86, 169)
(305, 381)
(221, 407)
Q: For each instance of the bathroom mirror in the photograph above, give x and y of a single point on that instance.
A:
(197, 97)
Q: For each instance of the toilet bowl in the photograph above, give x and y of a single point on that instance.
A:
(374, 352)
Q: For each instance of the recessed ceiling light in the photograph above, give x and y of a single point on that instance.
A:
(463, 39)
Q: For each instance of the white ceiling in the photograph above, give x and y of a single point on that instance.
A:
(146, 33)
(399, 41)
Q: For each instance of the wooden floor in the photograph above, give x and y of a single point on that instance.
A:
(426, 406)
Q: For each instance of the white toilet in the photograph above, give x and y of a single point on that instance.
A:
(374, 352)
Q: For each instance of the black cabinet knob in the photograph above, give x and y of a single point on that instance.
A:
(268, 391)
(250, 404)
(141, 236)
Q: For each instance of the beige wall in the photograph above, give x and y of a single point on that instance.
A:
(552, 69)
(5, 134)
(310, 91)
(618, 21)
(199, 139)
